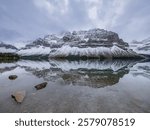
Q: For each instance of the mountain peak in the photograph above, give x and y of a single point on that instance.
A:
(90, 43)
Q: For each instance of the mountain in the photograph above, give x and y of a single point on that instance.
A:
(141, 47)
(8, 52)
(36, 48)
(40, 47)
(6, 48)
(94, 43)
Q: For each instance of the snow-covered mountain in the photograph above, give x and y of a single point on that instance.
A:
(37, 47)
(95, 43)
(141, 47)
(90, 52)
(92, 43)
(34, 51)
(8, 52)
(41, 46)
(7, 48)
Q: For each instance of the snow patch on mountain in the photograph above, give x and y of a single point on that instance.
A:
(37, 50)
(114, 51)
(7, 48)
(21, 44)
(141, 47)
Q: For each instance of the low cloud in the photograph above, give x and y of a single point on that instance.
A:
(35, 18)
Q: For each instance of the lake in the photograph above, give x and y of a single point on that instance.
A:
(76, 86)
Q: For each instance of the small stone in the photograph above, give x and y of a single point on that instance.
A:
(13, 77)
(19, 96)
(41, 86)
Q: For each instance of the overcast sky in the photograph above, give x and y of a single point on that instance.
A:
(30, 19)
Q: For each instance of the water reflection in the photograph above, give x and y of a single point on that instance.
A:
(92, 73)
(125, 86)
(4, 67)
(141, 69)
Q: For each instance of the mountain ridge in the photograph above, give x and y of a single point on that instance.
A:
(94, 43)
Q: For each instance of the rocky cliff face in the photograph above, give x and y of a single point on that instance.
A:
(93, 38)
(94, 43)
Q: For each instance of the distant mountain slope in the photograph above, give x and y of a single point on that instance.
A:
(7, 48)
(141, 47)
(8, 52)
(38, 47)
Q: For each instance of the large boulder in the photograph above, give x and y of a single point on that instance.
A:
(19, 96)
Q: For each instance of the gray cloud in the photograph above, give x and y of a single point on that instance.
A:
(29, 19)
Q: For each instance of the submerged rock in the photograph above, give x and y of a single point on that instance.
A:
(19, 96)
(13, 77)
(41, 86)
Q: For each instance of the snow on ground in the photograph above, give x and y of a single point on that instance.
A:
(40, 50)
(66, 50)
(4, 50)
(21, 44)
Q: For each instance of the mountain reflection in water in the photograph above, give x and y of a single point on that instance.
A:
(92, 73)
(111, 86)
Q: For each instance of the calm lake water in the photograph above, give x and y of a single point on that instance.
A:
(77, 86)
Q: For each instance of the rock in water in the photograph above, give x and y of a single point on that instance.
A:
(41, 86)
(13, 77)
(19, 96)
